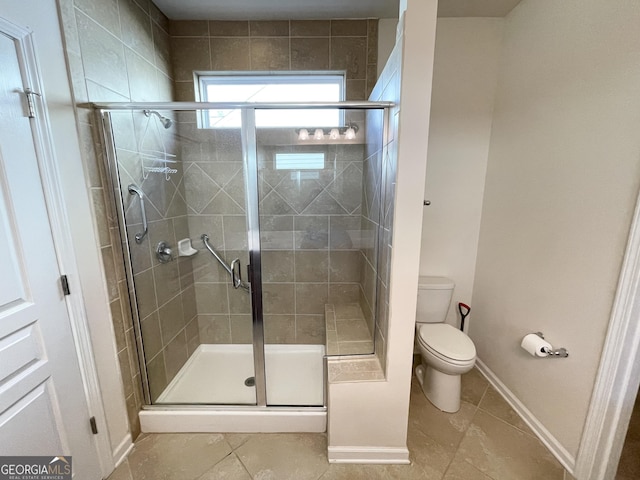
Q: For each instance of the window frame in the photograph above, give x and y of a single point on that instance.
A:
(202, 79)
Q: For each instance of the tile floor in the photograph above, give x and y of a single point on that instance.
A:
(485, 440)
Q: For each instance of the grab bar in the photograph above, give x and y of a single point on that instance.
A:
(135, 190)
(236, 278)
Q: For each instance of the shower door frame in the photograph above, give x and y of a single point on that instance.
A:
(250, 161)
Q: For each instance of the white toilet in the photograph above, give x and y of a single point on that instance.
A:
(446, 352)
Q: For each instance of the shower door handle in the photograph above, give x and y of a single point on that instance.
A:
(236, 278)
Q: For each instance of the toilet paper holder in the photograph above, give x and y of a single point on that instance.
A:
(557, 352)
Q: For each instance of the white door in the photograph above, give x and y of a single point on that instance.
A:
(43, 406)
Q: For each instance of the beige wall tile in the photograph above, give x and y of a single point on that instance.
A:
(344, 293)
(157, 376)
(136, 29)
(189, 303)
(269, 28)
(345, 266)
(356, 90)
(158, 17)
(151, 335)
(211, 298)
(103, 56)
(309, 53)
(219, 28)
(269, 53)
(349, 28)
(241, 328)
(372, 41)
(214, 328)
(277, 266)
(349, 54)
(194, 55)
(162, 49)
(311, 298)
(310, 28)
(239, 299)
(311, 232)
(230, 54)
(104, 13)
(311, 266)
(189, 28)
(125, 370)
(175, 355)
(310, 329)
(171, 319)
(278, 298)
(167, 280)
(279, 329)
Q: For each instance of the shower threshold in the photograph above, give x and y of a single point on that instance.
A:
(213, 392)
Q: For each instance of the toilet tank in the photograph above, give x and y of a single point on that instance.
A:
(434, 297)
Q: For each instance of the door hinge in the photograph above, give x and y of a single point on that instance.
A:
(65, 285)
(31, 106)
(94, 425)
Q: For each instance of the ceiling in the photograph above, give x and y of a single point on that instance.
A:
(320, 9)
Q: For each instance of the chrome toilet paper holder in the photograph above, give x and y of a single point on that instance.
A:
(554, 353)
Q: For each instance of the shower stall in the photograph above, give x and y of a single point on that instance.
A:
(250, 237)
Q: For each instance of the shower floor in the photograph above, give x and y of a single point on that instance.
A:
(216, 374)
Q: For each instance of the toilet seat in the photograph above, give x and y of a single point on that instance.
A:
(446, 342)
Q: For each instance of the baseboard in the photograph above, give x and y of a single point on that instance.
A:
(567, 460)
(375, 455)
(122, 450)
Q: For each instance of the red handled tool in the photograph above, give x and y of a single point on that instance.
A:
(464, 310)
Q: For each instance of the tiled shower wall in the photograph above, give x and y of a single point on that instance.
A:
(117, 51)
(165, 292)
(309, 257)
(283, 45)
(386, 153)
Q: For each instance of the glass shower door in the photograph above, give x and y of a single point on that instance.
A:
(182, 189)
(314, 246)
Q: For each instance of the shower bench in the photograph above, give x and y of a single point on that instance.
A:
(350, 346)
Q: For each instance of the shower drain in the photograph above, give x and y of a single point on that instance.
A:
(250, 382)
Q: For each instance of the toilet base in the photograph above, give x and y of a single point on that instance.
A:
(441, 389)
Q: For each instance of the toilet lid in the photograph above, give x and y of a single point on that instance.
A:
(447, 341)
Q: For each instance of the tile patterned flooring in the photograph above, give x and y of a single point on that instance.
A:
(485, 440)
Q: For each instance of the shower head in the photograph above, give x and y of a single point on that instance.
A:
(166, 122)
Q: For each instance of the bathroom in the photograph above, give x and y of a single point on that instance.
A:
(488, 142)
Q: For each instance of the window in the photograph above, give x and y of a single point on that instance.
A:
(316, 87)
(299, 161)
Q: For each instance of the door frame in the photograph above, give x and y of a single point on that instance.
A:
(618, 378)
(50, 179)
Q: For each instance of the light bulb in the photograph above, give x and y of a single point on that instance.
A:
(350, 134)
(318, 134)
(303, 134)
(334, 134)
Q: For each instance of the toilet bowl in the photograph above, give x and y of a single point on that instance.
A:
(446, 352)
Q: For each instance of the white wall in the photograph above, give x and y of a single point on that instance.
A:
(464, 84)
(562, 179)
